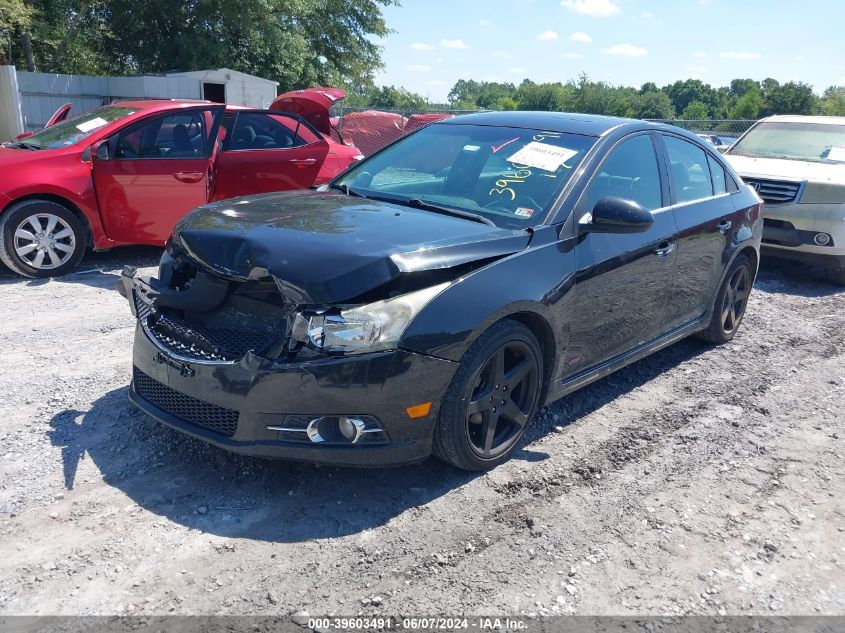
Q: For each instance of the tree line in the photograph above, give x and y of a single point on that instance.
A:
(298, 43)
(689, 99)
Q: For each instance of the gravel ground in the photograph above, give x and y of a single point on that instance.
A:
(698, 481)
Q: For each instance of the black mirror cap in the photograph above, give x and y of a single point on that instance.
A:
(620, 215)
(101, 152)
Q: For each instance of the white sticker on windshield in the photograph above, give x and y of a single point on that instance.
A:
(471, 148)
(542, 156)
(836, 153)
(93, 124)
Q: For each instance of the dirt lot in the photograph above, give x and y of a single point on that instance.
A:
(698, 481)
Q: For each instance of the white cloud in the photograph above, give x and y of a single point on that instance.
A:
(800, 58)
(453, 44)
(418, 68)
(593, 8)
(501, 55)
(485, 23)
(547, 36)
(581, 37)
(420, 46)
(739, 55)
(629, 50)
(696, 72)
(573, 56)
(647, 15)
(700, 54)
(517, 69)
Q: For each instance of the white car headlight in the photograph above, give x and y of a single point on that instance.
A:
(372, 327)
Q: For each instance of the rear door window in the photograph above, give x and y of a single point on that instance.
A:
(717, 175)
(689, 170)
(264, 130)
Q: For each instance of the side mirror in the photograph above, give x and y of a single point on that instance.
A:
(101, 151)
(619, 215)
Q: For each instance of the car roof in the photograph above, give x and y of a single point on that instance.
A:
(565, 122)
(797, 118)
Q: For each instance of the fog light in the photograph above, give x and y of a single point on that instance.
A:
(822, 239)
(350, 428)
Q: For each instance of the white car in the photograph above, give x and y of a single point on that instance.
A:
(797, 165)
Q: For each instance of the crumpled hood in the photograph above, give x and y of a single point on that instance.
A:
(330, 248)
(781, 168)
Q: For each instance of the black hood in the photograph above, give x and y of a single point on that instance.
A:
(330, 248)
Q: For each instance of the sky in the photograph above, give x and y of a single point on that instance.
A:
(622, 42)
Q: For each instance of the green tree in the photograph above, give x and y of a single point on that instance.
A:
(832, 102)
(296, 42)
(747, 106)
(550, 97)
(654, 105)
(391, 97)
(789, 98)
(682, 93)
(696, 111)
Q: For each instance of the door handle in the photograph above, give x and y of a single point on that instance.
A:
(724, 226)
(664, 249)
(303, 162)
(188, 176)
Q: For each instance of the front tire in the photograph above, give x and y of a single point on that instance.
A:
(837, 276)
(492, 399)
(41, 238)
(731, 303)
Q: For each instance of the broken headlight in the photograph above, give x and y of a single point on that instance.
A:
(368, 328)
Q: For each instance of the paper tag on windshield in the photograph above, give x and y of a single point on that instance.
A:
(542, 156)
(836, 153)
(93, 124)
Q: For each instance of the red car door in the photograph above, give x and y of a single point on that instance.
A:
(267, 151)
(154, 172)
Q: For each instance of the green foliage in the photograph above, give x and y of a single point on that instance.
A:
(789, 98)
(654, 104)
(299, 43)
(832, 102)
(747, 106)
(695, 111)
(388, 98)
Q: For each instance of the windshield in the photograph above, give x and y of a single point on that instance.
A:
(817, 142)
(74, 130)
(509, 176)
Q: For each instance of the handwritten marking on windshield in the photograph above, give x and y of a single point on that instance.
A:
(495, 148)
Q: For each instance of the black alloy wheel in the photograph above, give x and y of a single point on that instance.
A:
(731, 303)
(492, 399)
(735, 299)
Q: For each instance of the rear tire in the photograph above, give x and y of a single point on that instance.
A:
(731, 302)
(41, 238)
(492, 398)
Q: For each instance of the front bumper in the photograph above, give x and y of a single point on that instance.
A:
(249, 406)
(789, 230)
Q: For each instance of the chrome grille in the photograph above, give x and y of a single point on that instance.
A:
(208, 416)
(774, 191)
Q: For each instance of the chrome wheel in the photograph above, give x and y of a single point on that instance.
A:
(44, 241)
(501, 399)
(735, 300)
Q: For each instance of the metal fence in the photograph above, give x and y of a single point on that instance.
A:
(370, 129)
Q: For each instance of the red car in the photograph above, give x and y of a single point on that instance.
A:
(125, 173)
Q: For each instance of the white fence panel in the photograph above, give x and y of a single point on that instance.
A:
(11, 116)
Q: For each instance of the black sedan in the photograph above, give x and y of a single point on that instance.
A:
(434, 296)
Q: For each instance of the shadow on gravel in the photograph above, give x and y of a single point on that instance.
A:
(208, 489)
(782, 277)
(98, 270)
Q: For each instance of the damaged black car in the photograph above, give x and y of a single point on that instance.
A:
(436, 295)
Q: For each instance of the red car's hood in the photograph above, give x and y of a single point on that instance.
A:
(312, 105)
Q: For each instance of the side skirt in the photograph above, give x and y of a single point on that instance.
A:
(565, 386)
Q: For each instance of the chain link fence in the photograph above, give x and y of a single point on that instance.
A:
(370, 129)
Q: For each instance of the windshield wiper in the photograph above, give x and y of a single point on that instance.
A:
(458, 213)
(24, 145)
(347, 191)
